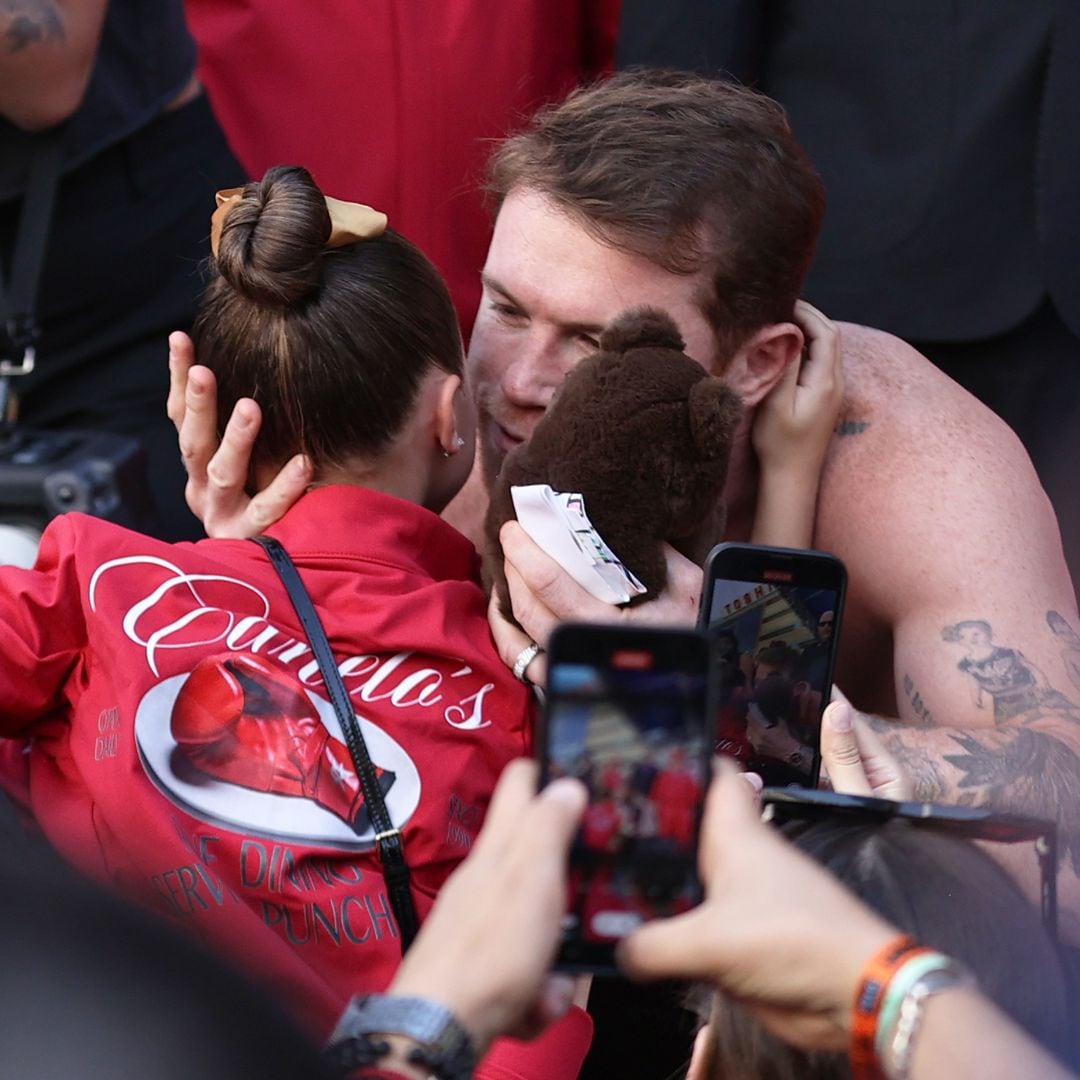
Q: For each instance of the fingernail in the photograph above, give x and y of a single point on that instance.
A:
(566, 790)
(299, 469)
(558, 996)
(840, 717)
(754, 781)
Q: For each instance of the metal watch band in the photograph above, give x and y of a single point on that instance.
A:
(896, 1060)
(443, 1044)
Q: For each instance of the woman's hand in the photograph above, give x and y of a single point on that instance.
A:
(218, 469)
(793, 425)
(791, 432)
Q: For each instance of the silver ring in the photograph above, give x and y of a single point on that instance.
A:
(524, 659)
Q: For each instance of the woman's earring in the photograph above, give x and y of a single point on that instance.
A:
(459, 442)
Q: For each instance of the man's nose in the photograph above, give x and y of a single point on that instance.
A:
(534, 373)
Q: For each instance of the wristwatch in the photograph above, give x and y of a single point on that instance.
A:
(442, 1043)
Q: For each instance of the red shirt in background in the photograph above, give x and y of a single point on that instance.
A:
(396, 103)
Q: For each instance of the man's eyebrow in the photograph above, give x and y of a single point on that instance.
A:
(493, 284)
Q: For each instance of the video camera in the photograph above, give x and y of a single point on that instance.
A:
(45, 473)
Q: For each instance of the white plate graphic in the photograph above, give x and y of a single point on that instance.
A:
(279, 817)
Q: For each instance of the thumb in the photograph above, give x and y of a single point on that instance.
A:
(669, 948)
(840, 750)
(560, 806)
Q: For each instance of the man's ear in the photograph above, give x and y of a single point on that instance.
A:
(760, 362)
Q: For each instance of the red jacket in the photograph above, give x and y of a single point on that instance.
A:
(183, 748)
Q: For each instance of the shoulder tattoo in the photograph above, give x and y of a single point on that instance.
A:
(32, 22)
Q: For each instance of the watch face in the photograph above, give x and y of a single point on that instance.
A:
(443, 1044)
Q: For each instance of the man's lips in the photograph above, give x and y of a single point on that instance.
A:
(503, 439)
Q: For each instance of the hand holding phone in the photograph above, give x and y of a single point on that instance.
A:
(628, 712)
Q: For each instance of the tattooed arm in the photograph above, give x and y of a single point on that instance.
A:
(959, 591)
(1019, 753)
(47, 50)
(981, 721)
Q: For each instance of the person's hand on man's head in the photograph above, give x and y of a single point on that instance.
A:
(219, 468)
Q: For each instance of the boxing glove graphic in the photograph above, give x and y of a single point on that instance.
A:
(244, 722)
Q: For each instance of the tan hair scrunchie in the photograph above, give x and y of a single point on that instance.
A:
(349, 222)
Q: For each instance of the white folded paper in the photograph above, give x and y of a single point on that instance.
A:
(557, 522)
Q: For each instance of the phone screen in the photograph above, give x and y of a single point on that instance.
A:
(627, 713)
(773, 616)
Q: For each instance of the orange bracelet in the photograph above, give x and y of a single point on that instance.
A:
(876, 975)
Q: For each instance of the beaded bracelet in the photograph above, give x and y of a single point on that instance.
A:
(869, 998)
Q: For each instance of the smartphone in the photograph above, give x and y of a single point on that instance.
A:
(773, 616)
(628, 712)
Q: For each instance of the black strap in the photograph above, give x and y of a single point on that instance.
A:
(19, 300)
(19, 328)
(389, 839)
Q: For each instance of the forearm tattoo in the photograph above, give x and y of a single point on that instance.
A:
(1069, 642)
(1034, 774)
(927, 775)
(1026, 763)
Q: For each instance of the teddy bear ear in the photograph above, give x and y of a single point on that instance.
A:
(640, 328)
(715, 411)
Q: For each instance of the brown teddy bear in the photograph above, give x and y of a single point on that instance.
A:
(644, 434)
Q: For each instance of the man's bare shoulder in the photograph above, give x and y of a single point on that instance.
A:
(917, 458)
(893, 386)
(900, 408)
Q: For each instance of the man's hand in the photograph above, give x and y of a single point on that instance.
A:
(485, 949)
(543, 594)
(218, 470)
(854, 757)
(511, 640)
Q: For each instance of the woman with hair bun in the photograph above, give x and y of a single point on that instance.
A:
(181, 741)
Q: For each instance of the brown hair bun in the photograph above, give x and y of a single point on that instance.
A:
(273, 239)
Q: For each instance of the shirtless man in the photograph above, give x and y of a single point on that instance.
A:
(691, 195)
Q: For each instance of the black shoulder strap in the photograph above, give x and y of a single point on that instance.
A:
(389, 839)
(18, 301)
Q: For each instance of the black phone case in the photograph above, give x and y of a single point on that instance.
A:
(600, 646)
(788, 569)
